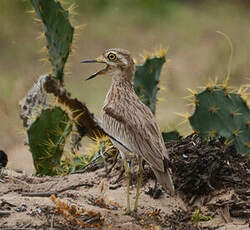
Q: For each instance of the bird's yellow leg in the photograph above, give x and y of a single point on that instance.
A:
(139, 182)
(127, 174)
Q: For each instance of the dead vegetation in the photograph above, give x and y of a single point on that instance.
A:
(212, 181)
(200, 167)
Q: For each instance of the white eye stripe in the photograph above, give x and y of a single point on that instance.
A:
(111, 63)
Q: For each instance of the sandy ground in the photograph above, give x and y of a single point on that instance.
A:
(20, 158)
(36, 212)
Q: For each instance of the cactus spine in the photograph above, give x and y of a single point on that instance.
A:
(48, 132)
(47, 137)
(58, 32)
(219, 112)
(146, 82)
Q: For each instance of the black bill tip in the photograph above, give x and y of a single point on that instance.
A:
(91, 76)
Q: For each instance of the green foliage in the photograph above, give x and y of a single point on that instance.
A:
(146, 81)
(171, 136)
(100, 152)
(197, 216)
(220, 113)
(58, 32)
(47, 138)
(75, 163)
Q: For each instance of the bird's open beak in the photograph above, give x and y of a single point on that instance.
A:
(97, 60)
(89, 61)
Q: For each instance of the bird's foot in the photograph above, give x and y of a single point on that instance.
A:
(127, 212)
(135, 209)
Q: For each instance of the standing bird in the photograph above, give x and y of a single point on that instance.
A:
(130, 123)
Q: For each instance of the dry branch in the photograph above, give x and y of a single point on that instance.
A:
(49, 193)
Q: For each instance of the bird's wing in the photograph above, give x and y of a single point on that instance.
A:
(136, 128)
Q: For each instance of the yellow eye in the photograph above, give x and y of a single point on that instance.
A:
(112, 57)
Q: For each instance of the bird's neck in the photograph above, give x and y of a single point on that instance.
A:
(122, 84)
(123, 79)
(123, 76)
(121, 87)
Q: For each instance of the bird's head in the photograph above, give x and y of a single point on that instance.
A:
(119, 64)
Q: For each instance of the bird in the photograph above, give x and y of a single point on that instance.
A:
(130, 123)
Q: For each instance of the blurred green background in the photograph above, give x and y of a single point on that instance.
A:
(187, 28)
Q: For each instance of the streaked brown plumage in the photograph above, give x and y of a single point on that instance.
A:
(128, 120)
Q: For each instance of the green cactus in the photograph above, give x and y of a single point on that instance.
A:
(47, 134)
(58, 32)
(46, 138)
(220, 113)
(146, 83)
(171, 136)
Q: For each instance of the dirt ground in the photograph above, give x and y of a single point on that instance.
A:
(91, 201)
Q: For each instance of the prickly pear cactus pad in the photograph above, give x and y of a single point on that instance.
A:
(171, 136)
(219, 113)
(47, 138)
(146, 81)
(58, 32)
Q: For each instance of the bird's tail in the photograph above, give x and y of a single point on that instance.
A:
(165, 179)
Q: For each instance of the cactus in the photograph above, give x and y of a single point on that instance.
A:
(84, 120)
(146, 85)
(219, 112)
(146, 81)
(36, 110)
(171, 136)
(47, 138)
(58, 32)
(47, 125)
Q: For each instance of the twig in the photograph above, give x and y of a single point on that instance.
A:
(92, 220)
(39, 194)
(115, 187)
(119, 176)
(103, 157)
(193, 198)
(52, 221)
(18, 228)
(243, 191)
(113, 165)
(47, 194)
(4, 213)
(4, 202)
(225, 214)
(75, 186)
